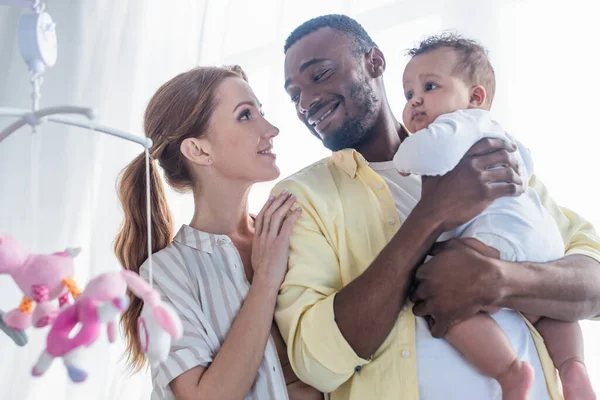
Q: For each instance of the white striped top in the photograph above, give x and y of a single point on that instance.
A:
(202, 276)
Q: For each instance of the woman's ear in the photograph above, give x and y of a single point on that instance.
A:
(478, 97)
(197, 151)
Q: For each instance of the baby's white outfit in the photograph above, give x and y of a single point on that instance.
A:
(520, 228)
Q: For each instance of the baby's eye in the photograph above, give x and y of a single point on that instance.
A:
(409, 95)
(430, 86)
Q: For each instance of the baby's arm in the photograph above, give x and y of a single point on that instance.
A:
(438, 148)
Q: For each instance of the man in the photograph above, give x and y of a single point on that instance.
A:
(356, 255)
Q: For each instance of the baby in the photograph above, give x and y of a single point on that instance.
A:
(449, 85)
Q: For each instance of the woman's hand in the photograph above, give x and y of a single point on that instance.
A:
(270, 248)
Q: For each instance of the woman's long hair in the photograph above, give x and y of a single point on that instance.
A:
(180, 109)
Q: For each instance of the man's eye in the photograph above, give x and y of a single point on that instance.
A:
(320, 76)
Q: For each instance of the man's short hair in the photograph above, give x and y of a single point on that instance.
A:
(473, 64)
(360, 39)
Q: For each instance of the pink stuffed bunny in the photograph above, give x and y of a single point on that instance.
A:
(103, 299)
(158, 324)
(41, 278)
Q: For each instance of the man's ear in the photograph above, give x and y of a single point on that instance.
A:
(375, 62)
(478, 97)
(198, 151)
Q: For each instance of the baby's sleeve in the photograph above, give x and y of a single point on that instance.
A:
(178, 289)
(438, 148)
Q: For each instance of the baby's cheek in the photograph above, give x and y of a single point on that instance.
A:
(406, 115)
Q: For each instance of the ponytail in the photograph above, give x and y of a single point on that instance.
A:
(181, 108)
(131, 242)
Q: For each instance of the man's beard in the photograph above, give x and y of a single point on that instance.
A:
(354, 130)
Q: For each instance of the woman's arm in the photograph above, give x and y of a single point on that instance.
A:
(234, 369)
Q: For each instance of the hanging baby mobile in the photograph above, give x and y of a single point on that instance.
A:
(51, 297)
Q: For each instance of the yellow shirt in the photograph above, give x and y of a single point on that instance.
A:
(346, 221)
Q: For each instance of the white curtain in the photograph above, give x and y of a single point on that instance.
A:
(114, 55)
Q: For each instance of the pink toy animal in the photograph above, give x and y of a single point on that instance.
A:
(158, 324)
(41, 278)
(101, 302)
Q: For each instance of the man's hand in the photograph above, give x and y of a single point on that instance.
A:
(487, 172)
(458, 282)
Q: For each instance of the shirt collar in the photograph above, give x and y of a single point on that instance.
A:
(199, 240)
(348, 160)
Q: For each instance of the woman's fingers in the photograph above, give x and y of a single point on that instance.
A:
(278, 216)
(271, 209)
(288, 224)
(261, 215)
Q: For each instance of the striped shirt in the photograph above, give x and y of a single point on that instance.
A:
(202, 276)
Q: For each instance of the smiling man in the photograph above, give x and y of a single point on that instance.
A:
(356, 252)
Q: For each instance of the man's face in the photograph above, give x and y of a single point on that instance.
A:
(330, 88)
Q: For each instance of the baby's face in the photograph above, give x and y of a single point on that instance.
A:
(432, 89)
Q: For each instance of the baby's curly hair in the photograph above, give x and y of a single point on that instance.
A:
(473, 64)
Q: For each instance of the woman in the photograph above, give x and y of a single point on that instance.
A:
(221, 272)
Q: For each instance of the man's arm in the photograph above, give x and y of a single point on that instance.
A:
(306, 314)
(331, 329)
(367, 308)
(566, 289)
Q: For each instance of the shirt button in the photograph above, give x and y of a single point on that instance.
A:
(405, 353)
(379, 186)
(404, 308)
(357, 368)
(391, 221)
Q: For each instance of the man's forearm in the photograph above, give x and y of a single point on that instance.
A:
(567, 289)
(367, 308)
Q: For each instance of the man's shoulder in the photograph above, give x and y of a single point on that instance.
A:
(315, 174)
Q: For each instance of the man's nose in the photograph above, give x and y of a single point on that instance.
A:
(307, 102)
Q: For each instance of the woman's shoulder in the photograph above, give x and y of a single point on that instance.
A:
(167, 260)
(171, 260)
(189, 250)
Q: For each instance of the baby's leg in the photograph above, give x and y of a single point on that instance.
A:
(564, 342)
(484, 344)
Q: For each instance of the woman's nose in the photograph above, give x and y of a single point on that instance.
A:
(271, 130)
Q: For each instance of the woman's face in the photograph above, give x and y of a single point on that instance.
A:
(241, 138)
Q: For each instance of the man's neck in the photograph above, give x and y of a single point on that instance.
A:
(383, 140)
